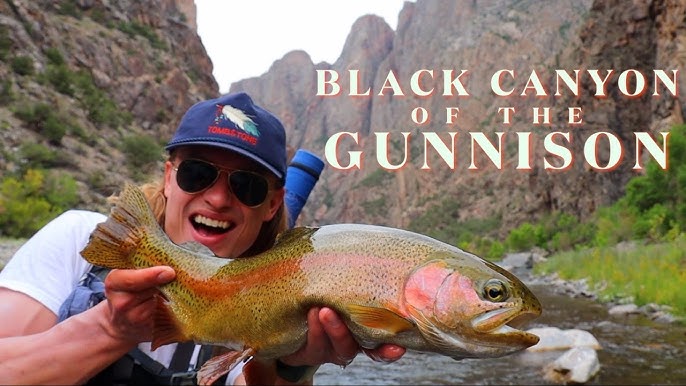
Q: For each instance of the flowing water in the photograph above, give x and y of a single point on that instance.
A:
(635, 350)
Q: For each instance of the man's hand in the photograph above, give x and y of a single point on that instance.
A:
(131, 300)
(330, 341)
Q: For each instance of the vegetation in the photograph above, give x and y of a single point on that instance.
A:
(22, 65)
(29, 202)
(653, 210)
(137, 29)
(142, 153)
(5, 43)
(100, 108)
(442, 222)
(652, 273)
(47, 120)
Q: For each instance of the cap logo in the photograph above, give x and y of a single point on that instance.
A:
(237, 117)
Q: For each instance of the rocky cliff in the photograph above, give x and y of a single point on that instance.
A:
(149, 65)
(80, 78)
(482, 38)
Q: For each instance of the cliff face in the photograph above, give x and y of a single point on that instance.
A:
(112, 69)
(151, 66)
(482, 38)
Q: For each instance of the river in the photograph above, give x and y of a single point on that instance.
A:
(635, 350)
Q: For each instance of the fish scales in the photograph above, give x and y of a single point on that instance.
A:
(388, 285)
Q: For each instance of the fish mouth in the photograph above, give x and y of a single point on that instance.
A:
(506, 321)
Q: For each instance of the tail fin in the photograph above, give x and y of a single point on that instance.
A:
(113, 243)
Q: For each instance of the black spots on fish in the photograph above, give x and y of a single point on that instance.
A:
(495, 291)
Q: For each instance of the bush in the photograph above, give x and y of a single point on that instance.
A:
(5, 43)
(43, 119)
(6, 93)
(101, 109)
(142, 153)
(61, 78)
(22, 65)
(659, 197)
(132, 29)
(524, 237)
(29, 202)
(54, 56)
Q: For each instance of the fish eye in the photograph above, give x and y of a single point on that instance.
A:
(495, 291)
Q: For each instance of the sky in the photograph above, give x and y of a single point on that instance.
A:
(243, 38)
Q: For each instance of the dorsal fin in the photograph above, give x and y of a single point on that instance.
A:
(294, 234)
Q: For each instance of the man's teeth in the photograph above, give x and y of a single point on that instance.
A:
(211, 223)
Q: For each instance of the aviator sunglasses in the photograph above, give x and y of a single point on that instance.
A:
(195, 176)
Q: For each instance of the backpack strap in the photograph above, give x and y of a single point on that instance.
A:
(136, 367)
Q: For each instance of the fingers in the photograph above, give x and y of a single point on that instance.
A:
(386, 353)
(343, 345)
(133, 280)
(131, 296)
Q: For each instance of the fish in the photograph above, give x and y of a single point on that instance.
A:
(388, 285)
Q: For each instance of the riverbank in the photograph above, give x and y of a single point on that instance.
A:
(528, 267)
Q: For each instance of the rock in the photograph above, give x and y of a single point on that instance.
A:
(624, 309)
(577, 365)
(512, 261)
(663, 317)
(553, 338)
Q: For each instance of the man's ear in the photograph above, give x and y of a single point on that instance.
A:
(275, 201)
(168, 169)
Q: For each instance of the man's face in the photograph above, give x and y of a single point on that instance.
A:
(215, 217)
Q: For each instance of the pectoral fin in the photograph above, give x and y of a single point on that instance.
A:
(378, 318)
(165, 326)
(217, 366)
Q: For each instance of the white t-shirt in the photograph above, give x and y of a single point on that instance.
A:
(49, 266)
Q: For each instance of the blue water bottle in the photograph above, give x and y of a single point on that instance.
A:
(301, 176)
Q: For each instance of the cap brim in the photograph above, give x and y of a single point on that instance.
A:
(230, 147)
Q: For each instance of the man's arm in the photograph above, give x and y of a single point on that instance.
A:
(33, 349)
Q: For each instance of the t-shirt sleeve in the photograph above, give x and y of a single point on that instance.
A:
(49, 265)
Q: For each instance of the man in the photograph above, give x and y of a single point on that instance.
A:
(222, 187)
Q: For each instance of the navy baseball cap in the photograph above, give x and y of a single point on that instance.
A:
(235, 123)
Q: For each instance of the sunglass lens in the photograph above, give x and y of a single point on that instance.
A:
(250, 188)
(194, 176)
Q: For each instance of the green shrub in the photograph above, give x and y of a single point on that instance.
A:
(22, 65)
(54, 56)
(375, 178)
(375, 207)
(5, 43)
(484, 247)
(43, 119)
(37, 155)
(142, 153)
(6, 93)
(61, 78)
(29, 202)
(658, 198)
(133, 29)
(524, 237)
(101, 109)
(69, 8)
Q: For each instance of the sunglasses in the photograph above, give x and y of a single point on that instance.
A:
(195, 176)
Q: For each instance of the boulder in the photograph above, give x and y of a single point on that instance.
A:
(553, 338)
(577, 365)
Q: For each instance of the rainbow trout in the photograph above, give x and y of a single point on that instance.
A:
(389, 286)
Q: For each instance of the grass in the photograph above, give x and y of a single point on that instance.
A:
(652, 273)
